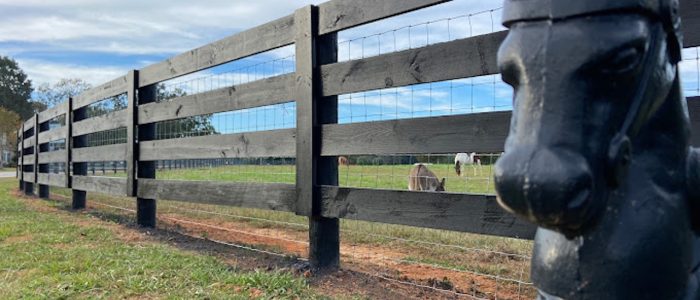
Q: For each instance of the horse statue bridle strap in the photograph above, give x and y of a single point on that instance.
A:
(640, 110)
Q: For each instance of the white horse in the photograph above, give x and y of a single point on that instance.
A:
(463, 159)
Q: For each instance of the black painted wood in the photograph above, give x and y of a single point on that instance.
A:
(41, 150)
(145, 207)
(459, 212)
(79, 168)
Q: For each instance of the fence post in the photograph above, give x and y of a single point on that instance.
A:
(20, 157)
(145, 208)
(41, 168)
(312, 169)
(79, 168)
(68, 119)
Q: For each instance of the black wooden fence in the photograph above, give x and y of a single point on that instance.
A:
(315, 142)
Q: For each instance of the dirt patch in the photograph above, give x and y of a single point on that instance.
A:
(18, 239)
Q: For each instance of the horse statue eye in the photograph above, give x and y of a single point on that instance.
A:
(623, 61)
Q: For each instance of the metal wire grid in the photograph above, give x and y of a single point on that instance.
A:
(205, 81)
(690, 71)
(57, 122)
(107, 168)
(108, 105)
(107, 137)
(393, 172)
(271, 117)
(57, 145)
(260, 170)
(463, 96)
(57, 168)
(420, 35)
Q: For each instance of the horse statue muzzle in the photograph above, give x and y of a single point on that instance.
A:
(598, 152)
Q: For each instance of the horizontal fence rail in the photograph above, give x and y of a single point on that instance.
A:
(60, 156)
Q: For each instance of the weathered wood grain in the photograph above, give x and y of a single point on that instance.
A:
(273, 143)
(28, 159)
(115, 152)
(28, 142)
(337, 15)
(481, 133)
(694, 112)
(53, 135)
(255, 94)
(690, 24)
(259, 39)
(28, 177)
(101, 92)
(103, 185)
(306, 112)
(479, 214)
(132, 122)
(57, 180)
(29, 123)
(52, 157)
(474, 56)
(112, 120)
(271, 196)
(53, 112)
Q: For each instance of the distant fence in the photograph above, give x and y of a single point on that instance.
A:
(316, 141)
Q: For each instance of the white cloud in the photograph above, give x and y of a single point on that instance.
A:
(40, 71)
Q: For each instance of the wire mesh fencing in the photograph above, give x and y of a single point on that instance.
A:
(690, 71)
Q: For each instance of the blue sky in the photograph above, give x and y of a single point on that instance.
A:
(101, 40)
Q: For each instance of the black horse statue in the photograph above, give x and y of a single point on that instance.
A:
(598, 153)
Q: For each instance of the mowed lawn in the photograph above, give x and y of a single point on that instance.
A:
(48, 253)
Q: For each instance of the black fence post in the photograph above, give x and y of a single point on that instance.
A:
(145, 207)
(42, 168)
(20, 157)
(312, 169)
(79, 168)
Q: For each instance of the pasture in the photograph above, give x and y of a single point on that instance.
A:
(385, 176)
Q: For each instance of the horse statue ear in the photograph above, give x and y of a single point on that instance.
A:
(672, 22)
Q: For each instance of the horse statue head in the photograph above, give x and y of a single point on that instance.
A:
(598, 152)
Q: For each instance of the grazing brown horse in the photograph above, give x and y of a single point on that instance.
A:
(422, 179)
(343, 161)
(598, 152)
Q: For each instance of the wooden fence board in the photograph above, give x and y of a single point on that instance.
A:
(690, 23)
(28, 159)
(273, 143)
(482, 133)
(271, 196)
(101, 92)
(259, 39)
(29, 123)
(474, 56)
(255, 94)
(52, 157)
(53, 112)
(57, 180)
(112, 120)
(479, 214)
(28, 142)
(103, 185)
(337, 15)
(28, 176)
(53, 135)
(115, 152)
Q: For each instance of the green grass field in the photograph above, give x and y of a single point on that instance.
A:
(57, 255)
(363, 176)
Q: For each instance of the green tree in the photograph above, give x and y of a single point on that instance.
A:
(186, 127)
(15, 88)
(9, 123)
(51, 95)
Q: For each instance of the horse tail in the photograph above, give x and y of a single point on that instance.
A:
(458, 168)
